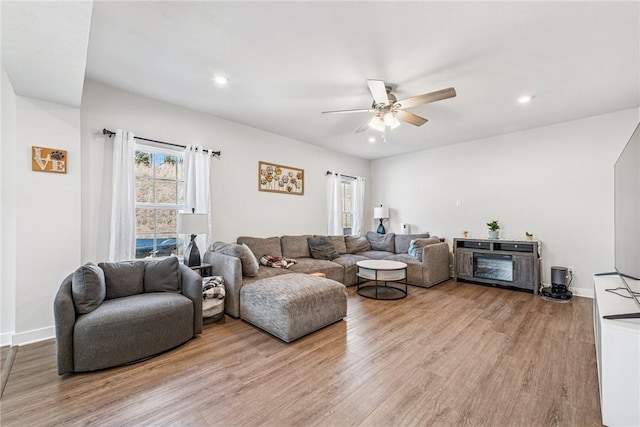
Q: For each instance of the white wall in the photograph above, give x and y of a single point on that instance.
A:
(8, 212)
(47, 221)
(554, 181)
(238, 207)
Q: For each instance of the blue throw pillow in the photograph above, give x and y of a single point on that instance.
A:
(412, 248)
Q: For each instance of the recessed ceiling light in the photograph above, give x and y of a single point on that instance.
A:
(524, 99)
(372, 140)
(220, 80)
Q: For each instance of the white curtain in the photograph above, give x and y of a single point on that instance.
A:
(358, 205)
(197, 193)
(122, 239)
(334, 205)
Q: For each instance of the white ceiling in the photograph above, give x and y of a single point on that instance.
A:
(288, 61)
(44, 48)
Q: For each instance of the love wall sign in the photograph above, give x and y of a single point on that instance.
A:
(48, 160)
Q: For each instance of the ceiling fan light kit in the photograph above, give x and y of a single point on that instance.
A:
(389, 112)
(377, 123)
(391, 120)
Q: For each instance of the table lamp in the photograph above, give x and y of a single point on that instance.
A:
(380, 213)
(194, 224)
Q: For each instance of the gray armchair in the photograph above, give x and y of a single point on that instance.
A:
(117, 313)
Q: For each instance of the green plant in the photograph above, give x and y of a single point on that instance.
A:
(526, 233)
(493, 225)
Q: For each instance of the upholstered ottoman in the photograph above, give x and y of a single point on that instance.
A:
(292, 305)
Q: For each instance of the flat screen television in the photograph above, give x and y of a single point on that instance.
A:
(627, 219)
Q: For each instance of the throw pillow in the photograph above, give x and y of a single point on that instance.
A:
(251, 270)
(381, 242)
(417, 245)
(321, 247)
(88, 288)
(247, 259)
(403, 240)
(162, 275)
(338, 243)
(412, 248)
(123, 278)
(356, 244)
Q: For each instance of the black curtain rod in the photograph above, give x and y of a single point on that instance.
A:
(111, 133)
(346, 176)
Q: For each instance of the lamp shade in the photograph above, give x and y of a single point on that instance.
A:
(193, 223)
(381, 212)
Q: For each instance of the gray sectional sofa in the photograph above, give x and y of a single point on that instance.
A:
(427, 268)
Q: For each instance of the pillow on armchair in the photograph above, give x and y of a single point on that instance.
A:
(88, 288)
(162, 275)
(415, 247)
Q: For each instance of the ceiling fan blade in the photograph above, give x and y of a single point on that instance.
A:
(378, 91)
(409, 117)
(361, 110)
(426, 98)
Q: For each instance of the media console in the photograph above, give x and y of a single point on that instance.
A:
(512, 263)
(617, 351)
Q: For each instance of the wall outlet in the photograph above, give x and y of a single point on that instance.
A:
(570, 269)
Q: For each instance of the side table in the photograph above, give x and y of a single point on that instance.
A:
(203, 270)
(212, 309)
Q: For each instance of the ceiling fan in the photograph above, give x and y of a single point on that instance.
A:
(388, 111)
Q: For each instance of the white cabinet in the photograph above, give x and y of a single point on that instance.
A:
(618, 353)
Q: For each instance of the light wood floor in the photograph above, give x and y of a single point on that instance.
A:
(456, 354)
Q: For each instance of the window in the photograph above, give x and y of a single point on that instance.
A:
(159, 196)
(346, 189)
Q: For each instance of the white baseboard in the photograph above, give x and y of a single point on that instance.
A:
(587, 293)
(5, 338)
(34, 335)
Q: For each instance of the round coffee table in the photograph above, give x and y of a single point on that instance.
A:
(381, 270)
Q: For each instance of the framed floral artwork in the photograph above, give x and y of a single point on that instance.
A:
(280, 179)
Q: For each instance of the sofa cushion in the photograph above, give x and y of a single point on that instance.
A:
(262, 245)
(415, 247)
(404, 240)
(381, 242)
(263, 273)
(338, 243)
(414, 267)
(123, 278)
(321, 247)
(355, 244)
(123, 330)
(311, 265)
(248, 261)
(88, 288)
(162, 275)
(375, 254)
(348, 262)
(295, 246)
